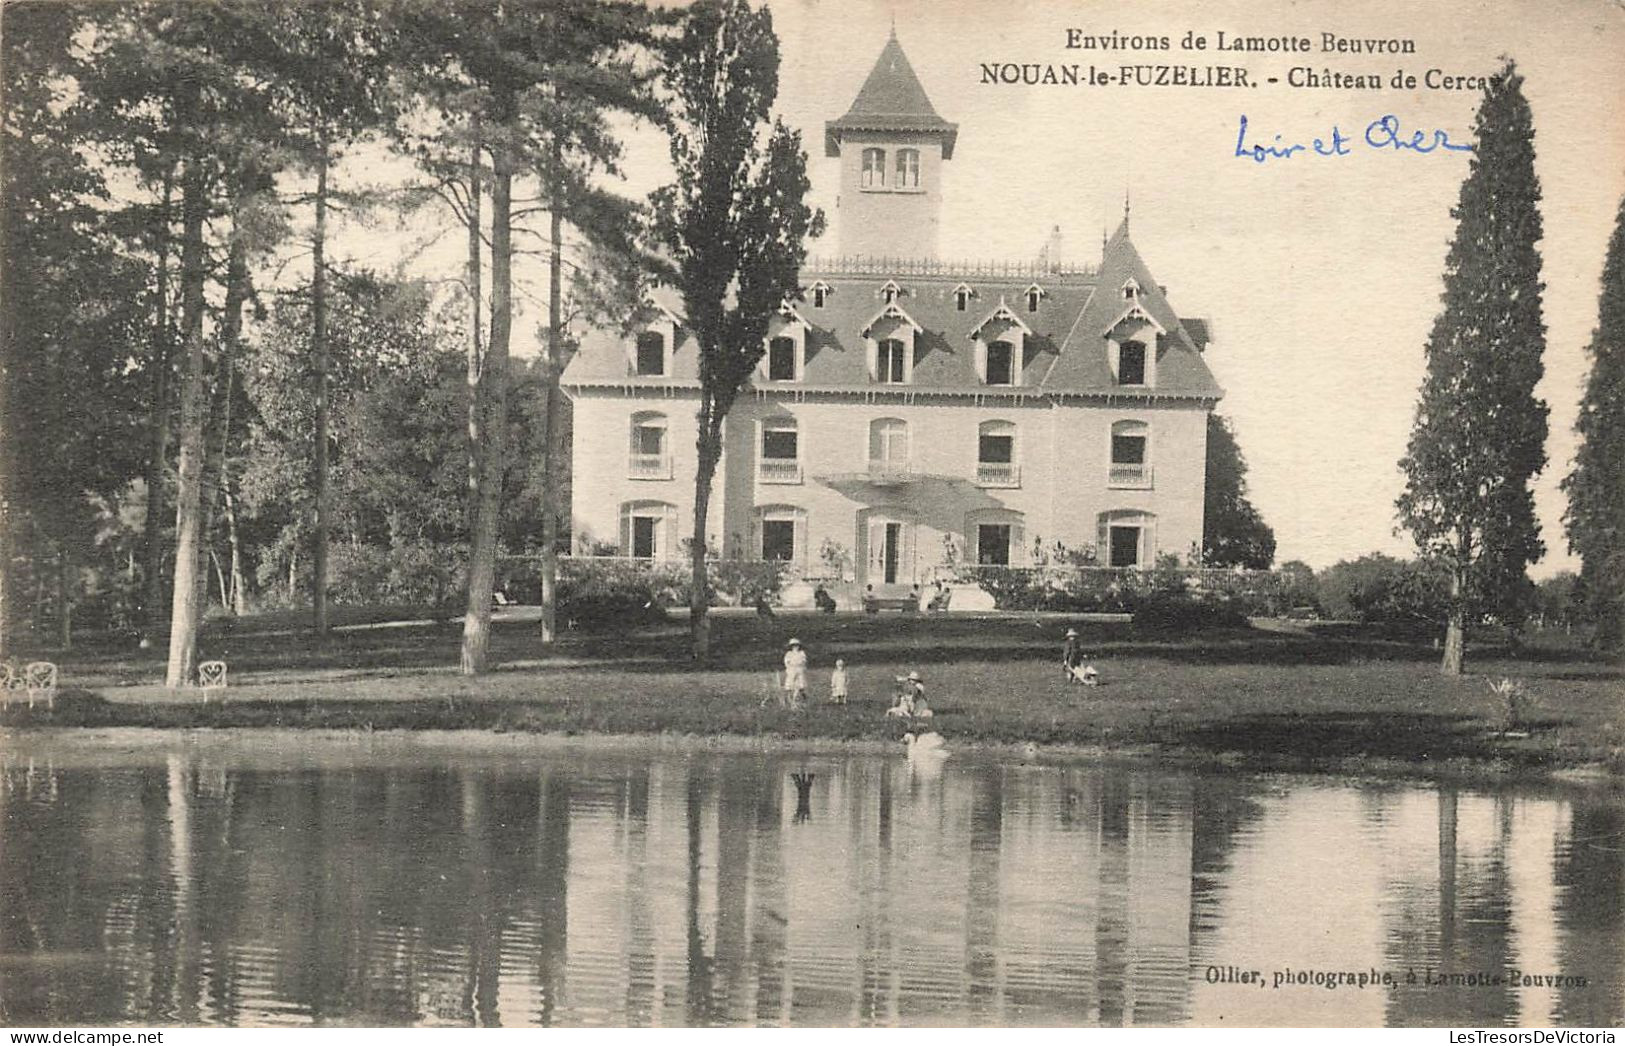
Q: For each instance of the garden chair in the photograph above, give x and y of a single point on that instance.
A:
(40, 680)
(211, 675)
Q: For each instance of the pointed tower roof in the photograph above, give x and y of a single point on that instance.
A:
(891, 99)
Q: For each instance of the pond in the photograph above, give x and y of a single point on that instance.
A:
(265, 878)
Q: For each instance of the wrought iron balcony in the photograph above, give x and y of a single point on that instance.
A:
(778, 470)
(998, 474)
(1130, 477)
(649, 466)
(887, 473)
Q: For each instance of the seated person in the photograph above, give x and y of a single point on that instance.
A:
(921, 709)
(823, 600)
(903, 705)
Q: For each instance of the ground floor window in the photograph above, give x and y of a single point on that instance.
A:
(648, 529)
(1125, 545)
(779, 539)
(644, 529)
(993, 544)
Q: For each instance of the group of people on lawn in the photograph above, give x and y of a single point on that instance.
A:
(908, 698)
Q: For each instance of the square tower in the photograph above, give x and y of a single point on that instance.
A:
(891, 144)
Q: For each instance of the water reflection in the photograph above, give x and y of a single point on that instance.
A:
(386, 885)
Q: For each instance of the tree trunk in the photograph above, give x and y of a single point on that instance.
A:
(239, 600)
(64, 613)
(318, 348)
(550, 395)
(699, 599)
(491, 400)
(1455, 634)
(152, 558)
(183, 619)
(220, 579)
(217, 465)
(475, 347)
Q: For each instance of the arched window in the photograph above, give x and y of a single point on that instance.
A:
(651, 357)
(781, 359)
(888, 445)
(780, 458)
(781, 533)
(1131, 454)
(1035, 294)
(649, 529)
(874, 169)
(993, 537)
(962, 297)
(649, 457)
(908, 169)
(1128, 537)
(996, 455)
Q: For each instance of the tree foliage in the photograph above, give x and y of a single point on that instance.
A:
(1480, 432)
(734, 223)
(1595, 520)
(1233, 532)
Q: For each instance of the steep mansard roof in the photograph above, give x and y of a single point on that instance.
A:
(891, 99)
(1066, 351)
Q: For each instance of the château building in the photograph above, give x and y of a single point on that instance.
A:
(907, 408)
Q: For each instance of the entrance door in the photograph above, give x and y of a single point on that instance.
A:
(892, 551)
(643, 537)
(889, 553)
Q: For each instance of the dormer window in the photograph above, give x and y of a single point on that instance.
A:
(651, 354)
(962, 296)
(908, 169)
(781, 359)
(874, 169)
(890, 292)
(1035, 294)
(1131, 290)
(892, 362)
(819, 293)
(1001, 363)
(1131, 363)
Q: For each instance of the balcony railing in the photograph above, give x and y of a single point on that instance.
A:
(778, 470)
(649, 466)
(886, 472)
(998, 474)
(1130, 477)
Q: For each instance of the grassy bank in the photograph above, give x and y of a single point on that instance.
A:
(1289, 698)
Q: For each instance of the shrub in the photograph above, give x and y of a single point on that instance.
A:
(1164, 612)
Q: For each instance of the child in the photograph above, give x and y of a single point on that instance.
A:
(903, 706)
(837, 683)
(1070, 657)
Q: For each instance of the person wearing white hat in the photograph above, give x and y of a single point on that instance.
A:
(1071, 656)
(795, 673)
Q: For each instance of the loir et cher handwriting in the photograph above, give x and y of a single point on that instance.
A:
(1383, 134)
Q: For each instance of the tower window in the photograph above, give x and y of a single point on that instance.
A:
(819, 296)
(890, 292)
(962, 295)
(874, 169)
(908, 169)
(1131, 290)
(1033, 295)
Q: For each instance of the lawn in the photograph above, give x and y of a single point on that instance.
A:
(1284, 696)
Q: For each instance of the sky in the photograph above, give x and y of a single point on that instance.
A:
(1320, 275)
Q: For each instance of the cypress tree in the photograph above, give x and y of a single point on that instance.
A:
(1595, 520)
(1480, 433)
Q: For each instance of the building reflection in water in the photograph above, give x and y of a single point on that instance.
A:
(599, 886)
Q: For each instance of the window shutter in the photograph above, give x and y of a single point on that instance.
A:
(872, 350)
(981, 360)
(1018, 544)
(800, 558)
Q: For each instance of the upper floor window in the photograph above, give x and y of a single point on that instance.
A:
(1001, 363)
(651, 358)
(648, 458)
(908, 169)
(1131, 457)
(1131, 363)
(996, 455)
(891, 362)
(780, 460)
(781, 359)
(888, 441)
(874, 169)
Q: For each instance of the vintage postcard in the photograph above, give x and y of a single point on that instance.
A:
(813, 513)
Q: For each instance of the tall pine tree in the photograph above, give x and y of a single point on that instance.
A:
(1480, 433)
(1595, 519)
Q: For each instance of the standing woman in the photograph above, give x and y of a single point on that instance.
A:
(795, 674)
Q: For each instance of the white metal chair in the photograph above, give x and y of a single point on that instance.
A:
(39, 677)
(211, 675)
